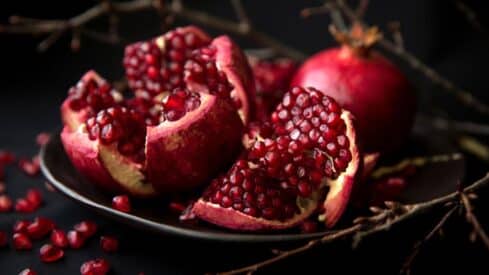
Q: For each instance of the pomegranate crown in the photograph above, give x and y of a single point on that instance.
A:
(358, 38)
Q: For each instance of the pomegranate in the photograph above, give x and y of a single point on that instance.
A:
(183, 125)
(366, 83)
(309, 146)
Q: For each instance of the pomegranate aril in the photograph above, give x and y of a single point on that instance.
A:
(3, 239)
(109, 243)
(87, 228)
(42, 138)
(39, 228)
(5, 204)
(50, 253)
(177, 206)
(21, 241)
(59, 238)
(28, 271)
(21, 226)
(95, 267)
(121, 203)
(75, 239)
(24, 206)
(30, 168)
(34, 196)
(6, 158)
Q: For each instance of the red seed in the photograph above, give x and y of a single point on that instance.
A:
(21, 242)
(121, 203)
(21, 226)
(24, 206)
(177, 206)
(3, 239)
(6, 158)
(75, 239)
(40, 228)
(59, 238)
(87, 228)
(95, 267)
(50, 253)
(109, 243)
(30, 168)
(2, 187)
(42, 138)
(5, 204)
(28, 271)
(34, 196)
(308, 227)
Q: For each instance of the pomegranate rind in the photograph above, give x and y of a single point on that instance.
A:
(183, 154)
(232, 61)
(340, 188)
(232, 219)
(369, 162)
(104, 165)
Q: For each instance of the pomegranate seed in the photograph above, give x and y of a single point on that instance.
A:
(34, 196)
(121, 203)
(40, 228)
(309, 227)
(21, 242)
(50, 253)
(75, 239)
(5, 204)
(24, 206)
(49, 187)
(21, 226)
(177, 207)
(59, 239)
(2, 172)
(6, 158)
(86, 228)
(30, 168)
(95, 267)
(109, 243)
(42, 138)
(3, 239)
(28, 271)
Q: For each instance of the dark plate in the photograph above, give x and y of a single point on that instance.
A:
(431, 181)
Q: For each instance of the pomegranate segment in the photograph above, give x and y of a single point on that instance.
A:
(309, 145)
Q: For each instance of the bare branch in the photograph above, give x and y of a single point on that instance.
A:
(470, 15)
(395, 29)
(468, 127)
(361, 8)
(241, 13)
(472, 219)
(474, 147)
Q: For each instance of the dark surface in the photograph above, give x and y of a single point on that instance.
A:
(33, 86)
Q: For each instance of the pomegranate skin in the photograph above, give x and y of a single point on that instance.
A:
(371, 87)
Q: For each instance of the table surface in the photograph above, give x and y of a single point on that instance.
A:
(34, 85)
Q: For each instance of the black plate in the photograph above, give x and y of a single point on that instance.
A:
(432, 181)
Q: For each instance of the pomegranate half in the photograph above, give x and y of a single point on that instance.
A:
(182, 127)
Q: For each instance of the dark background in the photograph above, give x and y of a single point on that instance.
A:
(33, 86)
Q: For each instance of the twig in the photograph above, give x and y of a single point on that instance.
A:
(472, 219)
(470, 15)
(241, 13)
(395, 29)
(406, 267)
(361, 8)
(468, 127)
(288, 253)
(176, 9)
(462, 95)
(474, 147)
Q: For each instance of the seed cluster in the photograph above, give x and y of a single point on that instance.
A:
(178, 103)
(89, 93)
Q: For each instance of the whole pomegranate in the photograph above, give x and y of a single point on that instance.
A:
(182, 127)
(365, 82)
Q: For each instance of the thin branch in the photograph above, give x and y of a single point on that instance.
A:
(468, 127)
(288, 253)
(474, 147)
(361, 8)
(175, 9)
(50, 40)
(470, 16)
(241, 13)
(406, 267)
(462, 95)
(472, 219)
(395, 29)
